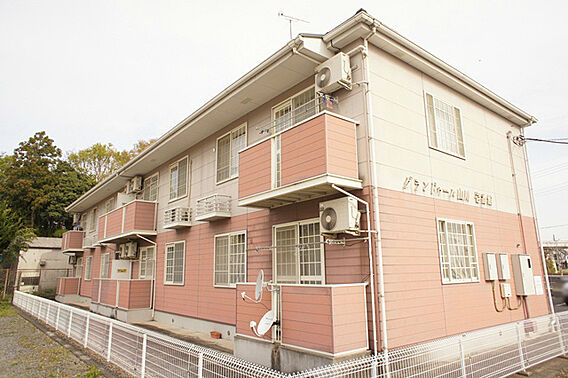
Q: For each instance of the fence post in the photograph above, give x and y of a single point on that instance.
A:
(374, 366)
(520, 347)
(143, 367)
(87, 331)
(70, 322)
(57, 318)
(200, 365)
(109, 340)
(462, 357)
(560, 338)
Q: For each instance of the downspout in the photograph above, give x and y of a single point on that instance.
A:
(153, 272)
(371, 268)
(375, 197)
(533, 207)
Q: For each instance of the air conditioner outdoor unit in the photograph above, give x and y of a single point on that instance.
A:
(122, 251)
(135, 184)
(340, 216)
(131, 248)
(72, 260)
(334, 74)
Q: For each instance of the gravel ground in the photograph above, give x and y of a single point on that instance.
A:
(25, 351)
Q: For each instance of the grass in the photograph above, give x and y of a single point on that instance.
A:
(93, 372)
(6, 309)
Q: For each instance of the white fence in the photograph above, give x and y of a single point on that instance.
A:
(491, 352)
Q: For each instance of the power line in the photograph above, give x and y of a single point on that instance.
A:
(556, 225)
(521, 140)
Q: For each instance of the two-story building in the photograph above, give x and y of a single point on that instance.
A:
(432, 232)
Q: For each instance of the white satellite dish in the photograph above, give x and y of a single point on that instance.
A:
(259, 284)
(265, 323)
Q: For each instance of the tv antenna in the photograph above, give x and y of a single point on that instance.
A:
(269, 318)
(291, 19)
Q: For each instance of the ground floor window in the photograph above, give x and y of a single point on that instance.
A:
(174, 263)
(230, 258)
(88, 267)
(146, 262)
(79, 267)
(298, 256)
(105, 262)
(458, 254)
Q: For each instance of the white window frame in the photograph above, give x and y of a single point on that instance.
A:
(93, 220)
(176, 164)
(79, 267)
(108, 205)
(228, 236)
(229, 133)
(449, 280)
(297, 224)
(88, 268)
(172, 283)
(105, 265)
(276, 146)
(157, 176)
(428, 124)
(140, 260)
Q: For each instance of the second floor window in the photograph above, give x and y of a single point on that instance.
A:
(178, 179)
(228, 147)
(174, 263)
(93, 220)
(150, 192)
(230, 259)
(110, 204)
(105, 263)
(444, 126)
(88, 267)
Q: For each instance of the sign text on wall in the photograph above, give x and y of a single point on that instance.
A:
(434, 189)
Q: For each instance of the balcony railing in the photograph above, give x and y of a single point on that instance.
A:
(68, 285)
(72, 241)
(134, 218)
(213, 207)
(124, 294)
(177, 217)
(89, 241)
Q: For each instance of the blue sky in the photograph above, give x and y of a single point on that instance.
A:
(118, 71)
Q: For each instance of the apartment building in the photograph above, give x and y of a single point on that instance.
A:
(430, 231)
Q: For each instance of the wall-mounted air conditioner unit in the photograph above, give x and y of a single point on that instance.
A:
(131, 249)
(122, 251)
(340, 216)
(334, 74)
(72, 260)
(135, 185)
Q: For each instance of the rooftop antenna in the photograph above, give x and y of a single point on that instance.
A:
(291, 19)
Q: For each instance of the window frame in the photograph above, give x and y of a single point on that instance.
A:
(157, 175)
(449, 281)
(94, 219)
(176, 163)
(428, 126)
(103, 269)
(298, 266)
(145, 276)
(229, 133)
(89, 264)
(228, 235)
(172, 283)
(79, 267)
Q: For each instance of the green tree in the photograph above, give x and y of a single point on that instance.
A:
(14, 237)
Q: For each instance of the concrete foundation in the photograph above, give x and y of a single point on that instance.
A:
(74, 299)
(127, 316)
(286, 358)
(199, 325)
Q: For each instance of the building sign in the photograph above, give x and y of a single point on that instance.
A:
(432, 188)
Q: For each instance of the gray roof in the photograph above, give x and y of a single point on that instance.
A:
(41, 242)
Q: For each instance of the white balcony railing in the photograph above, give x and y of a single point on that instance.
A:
(89, 241)
(213, 207)
(177, 217)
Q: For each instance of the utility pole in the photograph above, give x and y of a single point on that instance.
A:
(291, 19)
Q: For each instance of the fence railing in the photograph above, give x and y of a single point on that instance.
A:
(491, 352)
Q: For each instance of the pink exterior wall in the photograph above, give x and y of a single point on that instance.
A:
(135, 216)
(72, 240)
(247, 310)
(419, 307)
(68, 285)
(328, 143)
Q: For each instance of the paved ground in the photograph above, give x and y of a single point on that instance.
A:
(28, 352)
(555, 368)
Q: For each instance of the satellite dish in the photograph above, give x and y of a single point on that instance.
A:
(259, 284)
(328, 218)
(265, 323)
(323, 77)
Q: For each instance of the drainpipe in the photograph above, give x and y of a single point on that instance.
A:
(375, 196)
(533, 207)
(153, 272)
(371, 268)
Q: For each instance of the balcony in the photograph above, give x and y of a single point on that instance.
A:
(322, 318)
(135, 218)
(315, 153)
(177, 217)
(123, 294)
(68, 285)
(90, 241)
(213, 207)
(72, 242)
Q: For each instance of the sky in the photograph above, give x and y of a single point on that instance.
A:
(119, 71)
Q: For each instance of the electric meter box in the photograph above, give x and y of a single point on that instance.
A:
(523, 275)
(490, 266)
(120, 269)
(503, 269)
